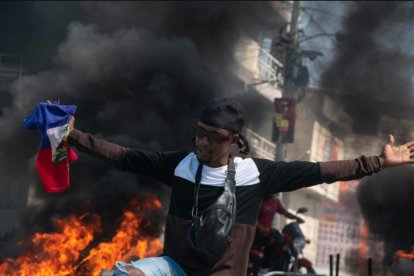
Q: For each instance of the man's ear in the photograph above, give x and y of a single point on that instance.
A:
(235, 139)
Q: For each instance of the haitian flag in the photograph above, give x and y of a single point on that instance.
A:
(54, 156)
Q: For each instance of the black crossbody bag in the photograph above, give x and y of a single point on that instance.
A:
(210, 232)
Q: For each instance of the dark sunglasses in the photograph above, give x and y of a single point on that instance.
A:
(211, 135)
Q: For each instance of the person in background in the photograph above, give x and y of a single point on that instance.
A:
(265, 233)
(270, 206)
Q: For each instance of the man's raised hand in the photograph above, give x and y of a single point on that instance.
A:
(393, 155)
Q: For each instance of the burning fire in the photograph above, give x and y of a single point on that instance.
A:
(63, 252)
(403, 264)
(402, 254)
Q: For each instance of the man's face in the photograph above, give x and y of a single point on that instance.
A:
(213, 144)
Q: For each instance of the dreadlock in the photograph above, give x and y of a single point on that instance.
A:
(243, 143)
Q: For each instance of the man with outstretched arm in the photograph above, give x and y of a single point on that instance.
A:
(217, 131)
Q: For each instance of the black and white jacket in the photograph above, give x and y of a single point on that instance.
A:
(255, 178)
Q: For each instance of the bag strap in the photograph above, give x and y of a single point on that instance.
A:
(194, 211)
(229, 184)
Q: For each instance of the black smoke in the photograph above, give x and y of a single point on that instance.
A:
(387, 205)
(371, 76)
(371, 73)
(140, 74)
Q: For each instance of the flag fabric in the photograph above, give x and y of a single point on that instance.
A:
(54, 155)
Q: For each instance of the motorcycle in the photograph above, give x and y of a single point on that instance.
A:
(284, 253)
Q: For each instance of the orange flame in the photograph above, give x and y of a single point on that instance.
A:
(123, 245)
(401, 254)
(61, 253)
(55, 253)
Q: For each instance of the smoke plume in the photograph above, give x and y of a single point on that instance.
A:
(373, 64)
(387, 204)
(139, 72)
(371, 75)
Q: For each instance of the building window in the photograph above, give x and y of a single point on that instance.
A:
(265, 61)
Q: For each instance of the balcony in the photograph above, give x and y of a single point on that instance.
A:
(258, 69)
(270, 69)
(260, 147)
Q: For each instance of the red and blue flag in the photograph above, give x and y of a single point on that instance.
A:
(54, 155)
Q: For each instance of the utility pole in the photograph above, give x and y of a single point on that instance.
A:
(290, 49)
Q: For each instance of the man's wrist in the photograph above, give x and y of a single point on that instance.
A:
(380, 162)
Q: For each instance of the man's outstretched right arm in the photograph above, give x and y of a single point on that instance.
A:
(108, 152)
(159, 165)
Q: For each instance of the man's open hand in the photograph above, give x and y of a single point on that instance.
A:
(393, 155)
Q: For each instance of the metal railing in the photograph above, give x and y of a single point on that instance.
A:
(260, 146)
(270, 69)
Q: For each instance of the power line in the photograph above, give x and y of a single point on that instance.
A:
(323, 11)
(320, 27)
(390, 24)
(326, 49)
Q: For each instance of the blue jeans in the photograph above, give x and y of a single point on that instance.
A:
(155, 266)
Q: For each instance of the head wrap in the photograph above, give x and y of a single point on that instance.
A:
(225, 113)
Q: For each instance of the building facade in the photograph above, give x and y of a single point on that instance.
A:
(323, 132)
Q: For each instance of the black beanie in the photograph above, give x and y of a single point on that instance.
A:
(225, 113)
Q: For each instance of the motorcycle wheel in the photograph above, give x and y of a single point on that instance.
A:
(306, 269)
